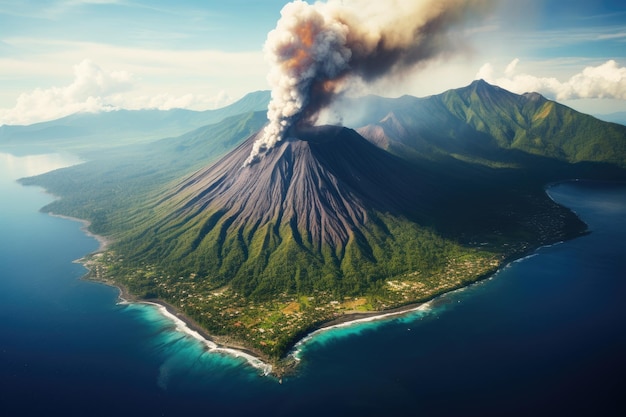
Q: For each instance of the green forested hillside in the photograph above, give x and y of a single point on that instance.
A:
(479, 120)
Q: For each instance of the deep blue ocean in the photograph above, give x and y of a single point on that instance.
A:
(544, 336)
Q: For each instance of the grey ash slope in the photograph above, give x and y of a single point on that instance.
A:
(323, 181)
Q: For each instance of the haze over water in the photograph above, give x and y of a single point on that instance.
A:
(545, 336)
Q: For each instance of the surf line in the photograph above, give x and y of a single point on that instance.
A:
(211, 346)
(297, 349)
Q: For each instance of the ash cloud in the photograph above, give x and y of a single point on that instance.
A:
(317, 49)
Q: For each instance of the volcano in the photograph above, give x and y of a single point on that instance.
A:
(442, 192)
(322, 204)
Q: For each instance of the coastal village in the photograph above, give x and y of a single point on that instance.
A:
(269, 328)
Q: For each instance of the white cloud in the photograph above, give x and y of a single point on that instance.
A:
(510, 69)
(197, 79)
(87, 93)
(605, 81)
(90, 80)
(94, 89)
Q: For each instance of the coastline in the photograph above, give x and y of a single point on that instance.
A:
(286, 365)
(188, 326)
(183, 323)
(228, 346)
(103, 242)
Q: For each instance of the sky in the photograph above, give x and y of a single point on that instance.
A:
(58, 57)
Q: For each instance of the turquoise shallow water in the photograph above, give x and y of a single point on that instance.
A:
(545, 336)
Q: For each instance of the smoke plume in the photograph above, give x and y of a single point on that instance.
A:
(317, 49)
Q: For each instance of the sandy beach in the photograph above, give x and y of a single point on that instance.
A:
(228, 346)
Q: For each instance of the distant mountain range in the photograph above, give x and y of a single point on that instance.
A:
(423, 192)
(88, 131)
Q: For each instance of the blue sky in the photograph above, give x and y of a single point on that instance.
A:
(63, 56)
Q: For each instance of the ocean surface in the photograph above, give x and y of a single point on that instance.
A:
(545, 336)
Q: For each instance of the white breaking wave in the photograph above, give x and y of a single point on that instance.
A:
(297, 349)
(211, 346)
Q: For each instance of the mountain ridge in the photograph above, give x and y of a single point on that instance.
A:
(483, 119)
